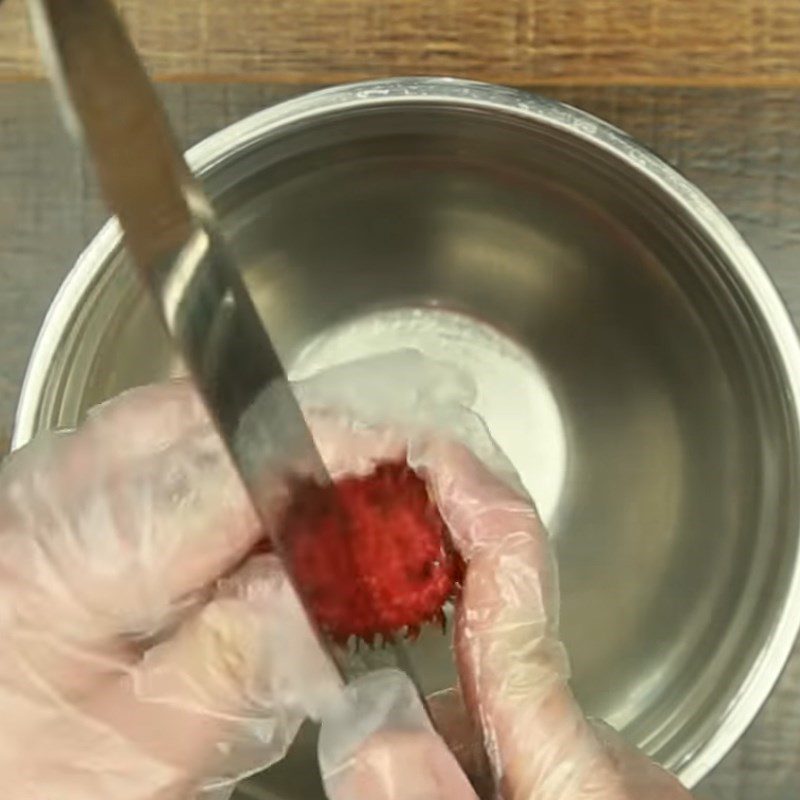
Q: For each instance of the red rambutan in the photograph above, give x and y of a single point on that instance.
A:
(372, 554)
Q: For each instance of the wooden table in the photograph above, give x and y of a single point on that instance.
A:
(712, 85)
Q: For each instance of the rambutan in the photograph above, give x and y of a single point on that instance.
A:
(372, 554)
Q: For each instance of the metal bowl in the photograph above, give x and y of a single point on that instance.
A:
(632, 357)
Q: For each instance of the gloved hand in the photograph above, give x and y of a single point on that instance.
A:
(140, 659)
(144, 656)
(513, 669)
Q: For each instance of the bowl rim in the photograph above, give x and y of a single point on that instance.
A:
(747, 269)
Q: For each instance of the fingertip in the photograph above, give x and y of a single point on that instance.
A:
(400, 765)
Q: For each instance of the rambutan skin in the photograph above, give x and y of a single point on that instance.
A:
(372, 554)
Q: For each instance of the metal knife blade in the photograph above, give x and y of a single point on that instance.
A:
(170, 230)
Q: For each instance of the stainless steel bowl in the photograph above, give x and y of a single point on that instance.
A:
(631, 353)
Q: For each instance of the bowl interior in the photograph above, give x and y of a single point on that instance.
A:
(618, 359)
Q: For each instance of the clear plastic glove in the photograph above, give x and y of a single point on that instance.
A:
(381, 744)
(141, 658)
(513, 669)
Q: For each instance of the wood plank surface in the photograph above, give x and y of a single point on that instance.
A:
(589, 42)
(741, 146)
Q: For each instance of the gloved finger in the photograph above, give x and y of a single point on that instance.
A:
(38, 665)
(222, 697)
(94, 574)
(639, 776)
(139, 422)
(506, 644)
(130, 548)
(513, 669)
(226, 694)
(379, 743)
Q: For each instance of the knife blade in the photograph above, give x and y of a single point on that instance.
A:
(172, 234)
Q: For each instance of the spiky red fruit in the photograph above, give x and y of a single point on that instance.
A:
(372, 554)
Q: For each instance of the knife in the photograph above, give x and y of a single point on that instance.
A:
(170, 229)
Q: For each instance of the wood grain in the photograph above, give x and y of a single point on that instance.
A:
(588, 42)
